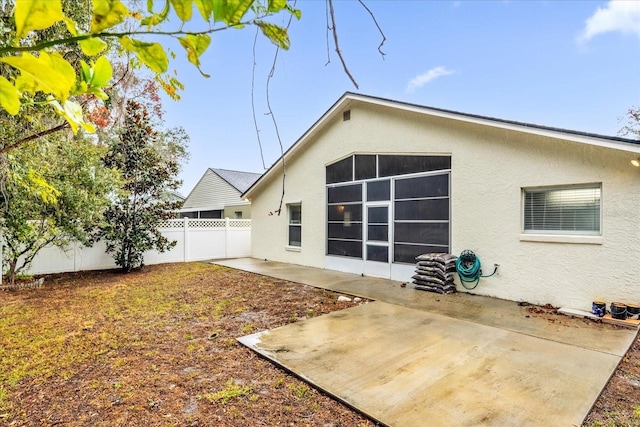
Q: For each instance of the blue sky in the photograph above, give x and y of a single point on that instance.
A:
(570, 64)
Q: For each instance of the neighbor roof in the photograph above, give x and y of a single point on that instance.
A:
(350, 98)
(241, 181)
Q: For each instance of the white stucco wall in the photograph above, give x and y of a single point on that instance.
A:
(490, 166)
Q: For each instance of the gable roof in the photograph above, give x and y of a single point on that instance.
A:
(239, 180)
(350, 98)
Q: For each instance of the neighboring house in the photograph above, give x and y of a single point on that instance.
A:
(173, 196)
(218, 195)
(375, 182)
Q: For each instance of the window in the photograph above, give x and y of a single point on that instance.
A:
(421, 220)
(341, 171)
(216, 214)
(378, 190)
(365, 166)
(360, 167)
(295, 225)
(402, 165)
(418, 219)
(344, 220)
(238, 214)
(193, 215)
(562, 210)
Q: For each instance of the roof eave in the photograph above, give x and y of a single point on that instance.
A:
(349, 97)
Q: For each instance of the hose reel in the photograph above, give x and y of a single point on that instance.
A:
(469, 269)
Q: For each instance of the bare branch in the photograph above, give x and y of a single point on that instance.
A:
(337, 44)
(384, 38)
(18, 143)
(329, 28)
(253, 99)
(275, 125)
(273, 118)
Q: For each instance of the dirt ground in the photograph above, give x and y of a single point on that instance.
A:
(158, 347)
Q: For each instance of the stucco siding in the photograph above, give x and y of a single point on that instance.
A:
(490, 167)
(212, 192)
(230, 211)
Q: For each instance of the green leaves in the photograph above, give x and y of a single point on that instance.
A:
(156, 18)
(9, 97)
(106, 14)
(183, 9)
(94, 78)
(277, 35)
(42, 68)
(230, 11)
(92, 46)
(151, 54)
(195, 45)
(36, 15)
(72, 112)
(205, 7)
(50, 73)
(277, 5)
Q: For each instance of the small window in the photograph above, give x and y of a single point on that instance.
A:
(295, 225)
(562, 210)
(378, 190)
(365, 166)
(341, 171)
(392, 165)
(238, 214)
(192, 215)
(216, 214)
(345, 194)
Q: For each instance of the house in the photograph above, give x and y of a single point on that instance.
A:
(173, 196)
(218, 195)
(376, 182)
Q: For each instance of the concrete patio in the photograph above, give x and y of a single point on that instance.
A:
(414, 358)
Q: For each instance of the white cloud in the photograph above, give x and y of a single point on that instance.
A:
(617, 15)
(424, 78)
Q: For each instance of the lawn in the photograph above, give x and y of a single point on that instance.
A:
(158, 347)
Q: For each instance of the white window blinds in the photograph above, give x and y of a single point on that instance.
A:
(568, 210)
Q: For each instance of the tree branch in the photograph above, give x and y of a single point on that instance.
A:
(335, 40)
(18, 143)
(253, 100)
(275, 123)
(70, 40)
(384, 38)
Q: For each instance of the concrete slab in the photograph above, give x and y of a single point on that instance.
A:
(417, 358)
(406, 367)
(487, 311)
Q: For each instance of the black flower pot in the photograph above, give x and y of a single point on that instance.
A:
(618, 310)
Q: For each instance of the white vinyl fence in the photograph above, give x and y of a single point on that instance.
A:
(197, 240)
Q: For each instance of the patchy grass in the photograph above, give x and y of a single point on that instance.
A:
(619, 403)
(230, 391)
(103, 348)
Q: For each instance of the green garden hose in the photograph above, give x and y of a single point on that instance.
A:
(469, 269)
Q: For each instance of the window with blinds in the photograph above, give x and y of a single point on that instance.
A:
(563, 210)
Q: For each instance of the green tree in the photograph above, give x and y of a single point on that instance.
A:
(43, 74)
(149, 162)
(54, 194)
